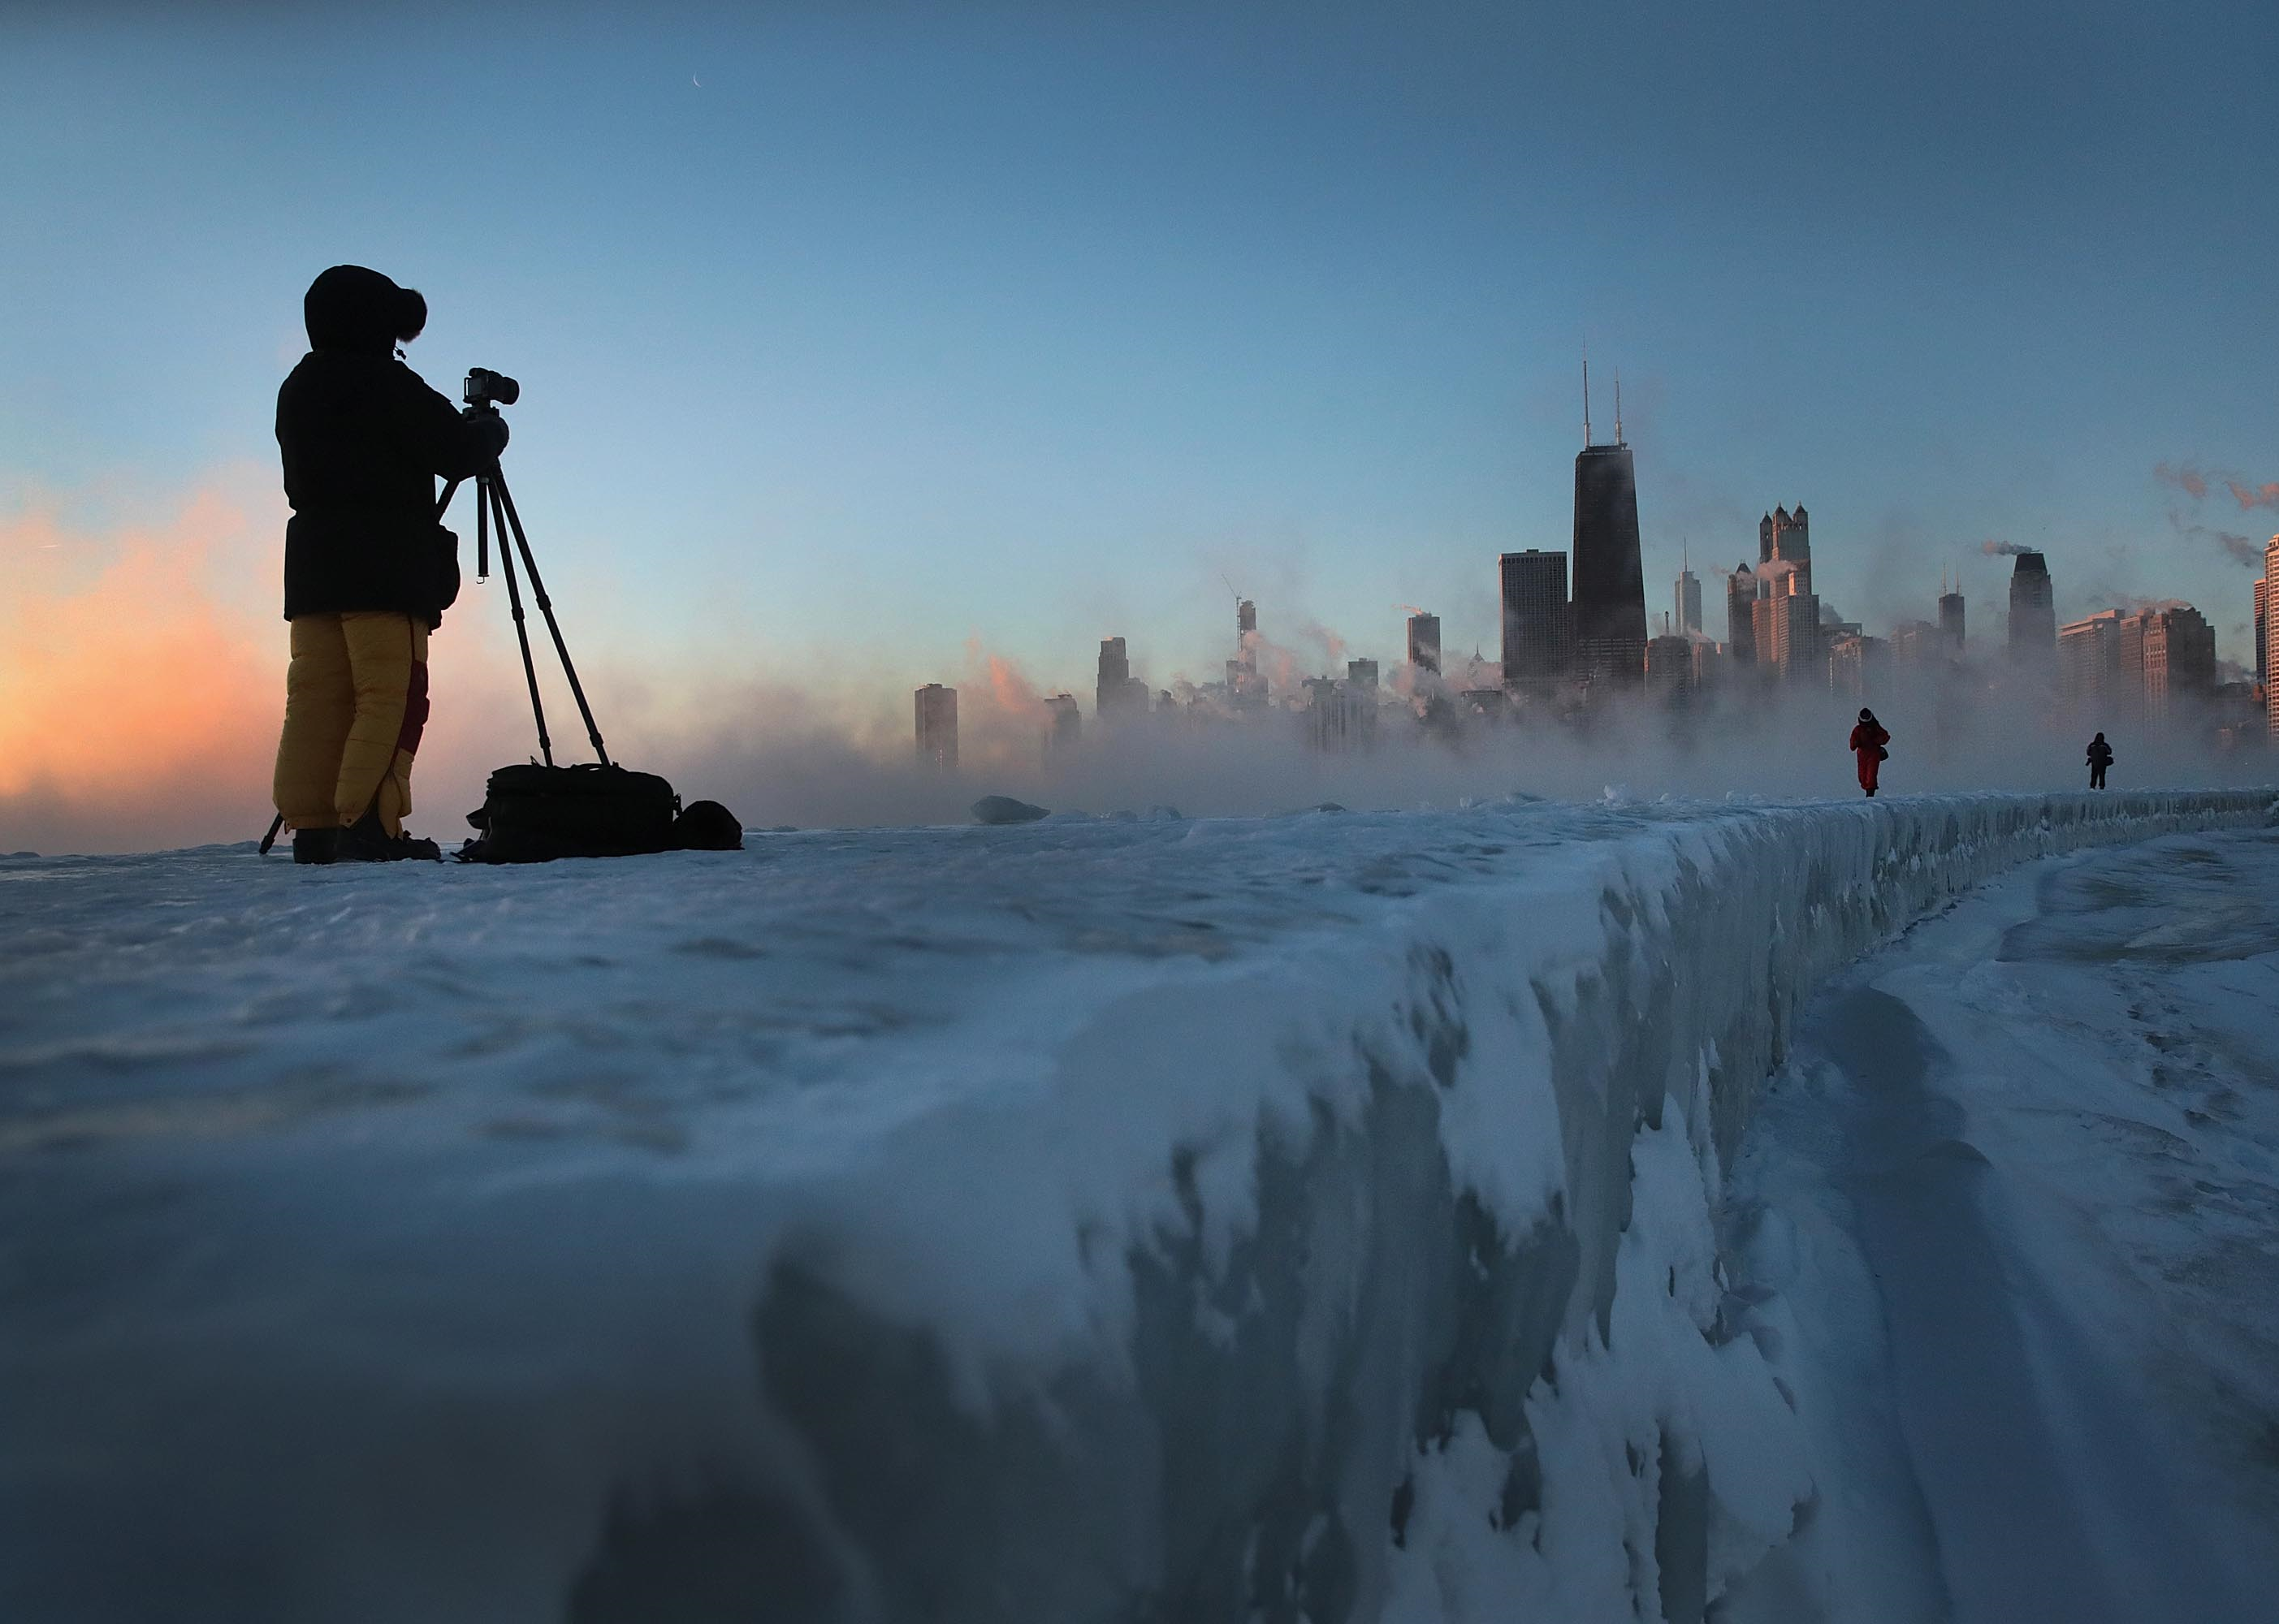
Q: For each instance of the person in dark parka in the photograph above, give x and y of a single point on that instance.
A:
(2101, 757)
(1868, 742)
(368, 571)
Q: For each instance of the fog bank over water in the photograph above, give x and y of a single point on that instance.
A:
(1766, 743)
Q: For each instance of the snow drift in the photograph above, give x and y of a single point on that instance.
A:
(1303, 1218)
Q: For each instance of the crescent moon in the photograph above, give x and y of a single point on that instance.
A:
(696, 82)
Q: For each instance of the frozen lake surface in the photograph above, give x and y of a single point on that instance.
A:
(1319, 1217)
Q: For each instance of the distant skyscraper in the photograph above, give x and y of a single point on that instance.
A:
(1535, 616)
(1669, 664)
(1740, 614)
(2262, 637)
(1950, 622)
(1246, 684)
(2089, 667)
(1117, 693)
(1064, 724)
(1609, 603)
(1787, 626)
(1424, 641)
(2179, 657)
(1913, 641)
(1362, 674)
(937, 719)
(1786, 538)
(2270, 639)
(2033, 611)
(1688, 600)
(1856, 663)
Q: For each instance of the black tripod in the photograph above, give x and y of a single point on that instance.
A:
(494, 505)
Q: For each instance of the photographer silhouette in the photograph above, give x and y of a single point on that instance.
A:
(368, 571)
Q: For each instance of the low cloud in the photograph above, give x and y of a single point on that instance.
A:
(2264, 495)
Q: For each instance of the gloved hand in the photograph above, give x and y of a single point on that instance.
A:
(490, 429)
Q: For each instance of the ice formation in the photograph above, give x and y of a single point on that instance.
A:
(1308, 1218)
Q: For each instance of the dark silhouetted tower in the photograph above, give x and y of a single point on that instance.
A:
(2179, 657)
(1534, 642)
(2033, 611)
(1950, 622)
(1609, 604)
(1740, 614)
(1117, 693)
(1425, 643)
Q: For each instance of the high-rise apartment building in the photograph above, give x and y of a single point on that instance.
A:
(1536, 651)
(1609, 601)
(1914, 642)
(2262, 638)
(2270, 640)
(2091, 670)
(2033, 611)
(2179, 657)
(937, 727)
(1424, 641)
(1856, 663)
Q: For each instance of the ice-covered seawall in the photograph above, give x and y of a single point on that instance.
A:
(1306, 1218)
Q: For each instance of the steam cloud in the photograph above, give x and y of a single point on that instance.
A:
(2187, 478)
(2193, 481)
(2002, 549)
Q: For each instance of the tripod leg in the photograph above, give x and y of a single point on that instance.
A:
(487, 489)
(546, 608)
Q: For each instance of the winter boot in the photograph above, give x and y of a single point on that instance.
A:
(365, 842)
(316, 845)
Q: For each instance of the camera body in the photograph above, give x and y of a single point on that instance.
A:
(485, 388)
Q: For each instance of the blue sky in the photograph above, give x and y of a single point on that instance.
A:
(851, 333)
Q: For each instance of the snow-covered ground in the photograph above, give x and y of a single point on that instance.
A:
(1311, 1217)
(2008, 1224)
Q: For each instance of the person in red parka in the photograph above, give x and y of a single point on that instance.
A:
(1868, 742)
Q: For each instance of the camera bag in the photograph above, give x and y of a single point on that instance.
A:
(535, 814)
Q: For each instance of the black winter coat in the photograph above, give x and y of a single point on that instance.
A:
(364, 439)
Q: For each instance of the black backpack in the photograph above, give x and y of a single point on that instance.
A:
(535, 814)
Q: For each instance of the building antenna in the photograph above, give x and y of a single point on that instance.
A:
(1586, 394)
(1618, 406)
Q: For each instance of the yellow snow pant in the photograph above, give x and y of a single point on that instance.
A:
(355, 699)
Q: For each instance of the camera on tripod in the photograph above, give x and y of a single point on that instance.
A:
(485, 389)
